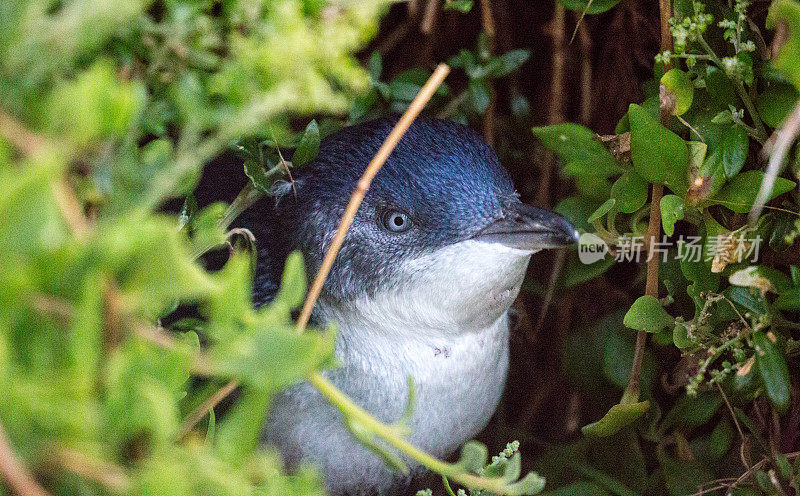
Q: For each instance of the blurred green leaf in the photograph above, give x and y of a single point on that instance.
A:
(788, 13)
(776, 102)
(602, 210)
(720, 440)
(692, 411)
(506, 63)
(479, 95)
(463, 6)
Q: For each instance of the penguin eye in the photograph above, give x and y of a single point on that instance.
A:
(396, 221)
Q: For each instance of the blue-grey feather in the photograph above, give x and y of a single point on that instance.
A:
(441, 174)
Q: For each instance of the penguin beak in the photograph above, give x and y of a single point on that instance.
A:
(529, 228)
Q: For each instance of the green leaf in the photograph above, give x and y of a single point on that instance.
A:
(308, 147)
(671, 212)
(479, 95)
(258, 176)
(463, 6)
(508, 62)
(293, 281)
(776, 102)
(473, 456)
(272, 356)
(786, 60)
(680, 87)
(658, 154)
(578, 272)
(579, 150)
(720, 88)
(773, 370)
(602, 210)
(647, 314)
(740, 192)
(589, 6)
(375, 66)
(734, 149)
(618, 417)
(630, 192)
(680, 337)
(712, 171)
(96, 105)
(152, 263)
(239, 432)
(692, 411)
(719, 441)
(697, 154)
(788, 300)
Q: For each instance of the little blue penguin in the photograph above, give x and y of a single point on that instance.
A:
(421, 288)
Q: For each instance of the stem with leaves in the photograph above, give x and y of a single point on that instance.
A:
(761, 132)
(631, 394)
(388, 433)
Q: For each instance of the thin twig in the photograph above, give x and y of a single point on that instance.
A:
(363, 185)
(14, 473)
(782, 140)
(736, 422)
(198, 413)
(558, 265)
(579, 23)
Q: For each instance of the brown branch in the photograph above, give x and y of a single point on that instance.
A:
(555, 110)
(429, 17)
(653, 228)
(586, 74)
(14, 473)
(363, 185)
(486, 18)
(487, 22)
